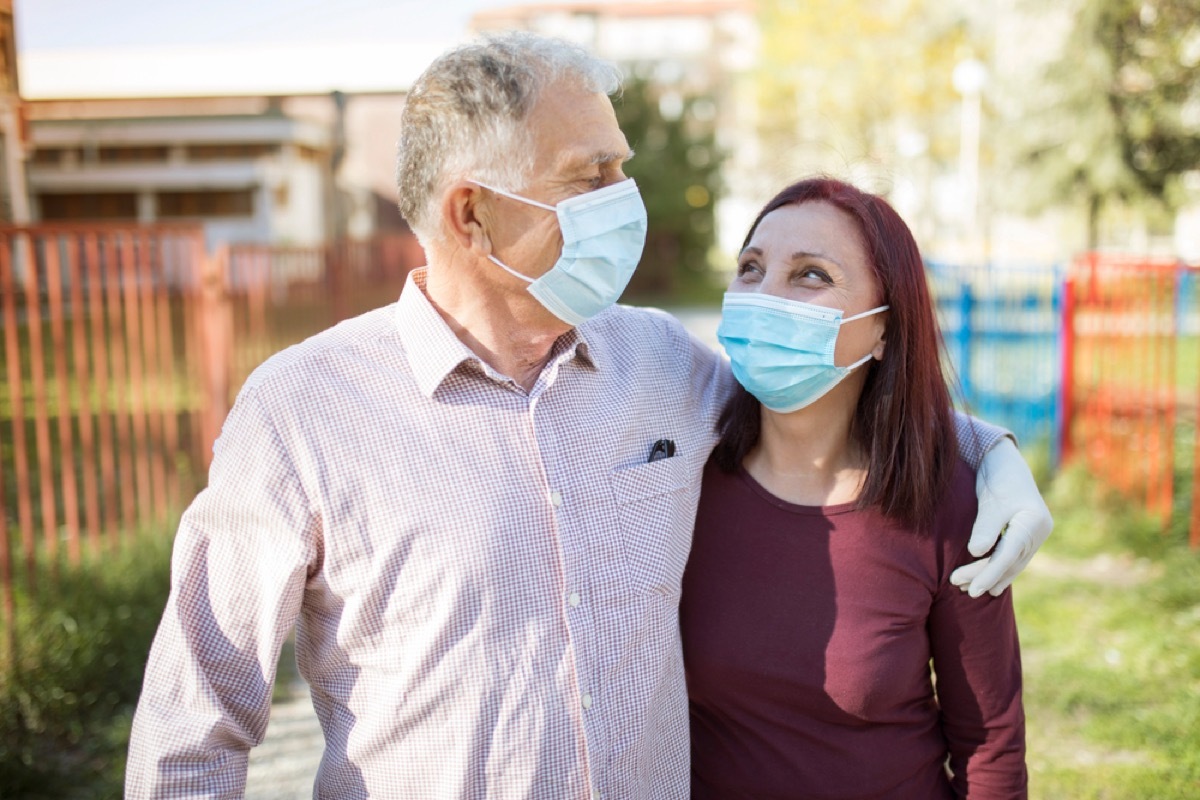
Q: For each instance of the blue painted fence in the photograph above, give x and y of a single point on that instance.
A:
(1003, 333)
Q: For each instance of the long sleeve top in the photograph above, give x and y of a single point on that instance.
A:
(808, 636)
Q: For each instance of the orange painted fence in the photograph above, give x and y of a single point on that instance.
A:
(104, 387)
(122, 349)
(1129, 391)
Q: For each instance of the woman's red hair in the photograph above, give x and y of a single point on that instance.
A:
(904, 416)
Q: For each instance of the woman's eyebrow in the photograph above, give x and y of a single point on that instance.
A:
(800, 255)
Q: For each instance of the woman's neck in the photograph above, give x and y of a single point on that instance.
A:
(808, 457)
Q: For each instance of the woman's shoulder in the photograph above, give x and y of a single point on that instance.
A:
(959, 507)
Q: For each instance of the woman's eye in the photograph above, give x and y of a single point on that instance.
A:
(746, 267)
(814, 274)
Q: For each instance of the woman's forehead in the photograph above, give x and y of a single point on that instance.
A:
(815, 227)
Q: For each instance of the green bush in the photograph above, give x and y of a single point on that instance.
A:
(68, 690)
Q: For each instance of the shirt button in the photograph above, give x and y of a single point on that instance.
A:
(555, 499)
(595, 794)
(573, 599)
(587, 701)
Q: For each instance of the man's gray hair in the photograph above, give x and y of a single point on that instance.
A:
(465, 115)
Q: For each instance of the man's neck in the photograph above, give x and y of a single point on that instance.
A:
(512, 333)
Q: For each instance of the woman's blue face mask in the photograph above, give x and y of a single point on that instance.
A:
(782, 350)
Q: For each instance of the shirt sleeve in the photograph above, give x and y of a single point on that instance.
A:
(240, 561)
(977, 665)
(976, 437)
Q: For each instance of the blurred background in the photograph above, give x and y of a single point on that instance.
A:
(187, 187)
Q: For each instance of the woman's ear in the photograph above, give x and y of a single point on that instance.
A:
(465, 213)
(881, 340)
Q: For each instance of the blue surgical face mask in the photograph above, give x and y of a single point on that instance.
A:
(781, 350)
(603, 235)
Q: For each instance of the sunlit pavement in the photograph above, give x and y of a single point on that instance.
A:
(284, 765)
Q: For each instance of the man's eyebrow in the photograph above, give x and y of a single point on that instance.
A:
(611, 156)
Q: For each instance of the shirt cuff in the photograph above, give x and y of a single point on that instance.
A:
(976, 437)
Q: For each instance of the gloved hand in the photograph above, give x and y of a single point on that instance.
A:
(1011, 508)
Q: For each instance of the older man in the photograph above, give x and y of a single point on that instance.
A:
(475, 505)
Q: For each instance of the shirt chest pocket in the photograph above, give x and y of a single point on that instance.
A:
(656, 503)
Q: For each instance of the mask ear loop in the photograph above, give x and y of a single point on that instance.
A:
(520, 199)
(512, 196)
(865, 314)
(868, 356)
(509, 269)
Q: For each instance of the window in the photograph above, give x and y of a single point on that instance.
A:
(142, 154)
(221, 203)
(310, 154)
(48, 155)
(233, 151)
(101, 205)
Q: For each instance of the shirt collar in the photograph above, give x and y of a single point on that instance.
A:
(434, 351)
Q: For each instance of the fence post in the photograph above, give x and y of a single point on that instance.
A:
(9, 620)
(966, 302)
(1066, 414)
(10, 249)
(216, 344)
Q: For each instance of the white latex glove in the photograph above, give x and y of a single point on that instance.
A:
(1011, 509)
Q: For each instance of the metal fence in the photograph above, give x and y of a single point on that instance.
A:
(1095, 360)
(123, 347)
(1003, 336)
(103, 387)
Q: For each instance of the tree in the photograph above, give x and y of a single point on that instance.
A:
(676, 168)
(1154, 91)
(841, 83)
(1107, 124)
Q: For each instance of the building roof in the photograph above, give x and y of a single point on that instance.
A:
(650, 8)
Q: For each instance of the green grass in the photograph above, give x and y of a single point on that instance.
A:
(1109, 615)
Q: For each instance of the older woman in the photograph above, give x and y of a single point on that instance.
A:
(832, 513)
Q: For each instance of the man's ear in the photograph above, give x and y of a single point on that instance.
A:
(466, 215)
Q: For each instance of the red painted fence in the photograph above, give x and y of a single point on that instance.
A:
(122, 349)
(1126, 411)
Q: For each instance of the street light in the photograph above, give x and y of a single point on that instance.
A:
(969, 77)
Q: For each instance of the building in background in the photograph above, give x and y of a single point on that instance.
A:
(291, 170)
(14, 203)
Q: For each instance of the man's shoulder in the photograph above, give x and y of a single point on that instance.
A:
(635, 323)
(322, 355)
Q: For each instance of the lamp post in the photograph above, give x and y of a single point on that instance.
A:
(969, 77)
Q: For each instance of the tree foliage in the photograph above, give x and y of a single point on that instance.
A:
(1108, 124)
(840, 82)
(1154, 91)
(676, 169)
